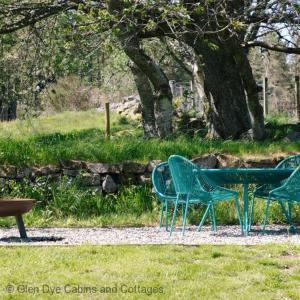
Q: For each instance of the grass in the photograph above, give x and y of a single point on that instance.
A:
(65, 122)
(108, 272)
(79, 135)
(67, 204)
(280, 119)
(160, 272)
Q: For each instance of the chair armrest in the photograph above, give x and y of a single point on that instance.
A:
(227, 190)
(207, 185)
(278, 189)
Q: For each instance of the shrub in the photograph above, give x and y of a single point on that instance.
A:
(69, 93)
(67, 198)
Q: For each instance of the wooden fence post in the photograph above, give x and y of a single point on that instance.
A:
(297, 93)
(107, 121)
(265, 90)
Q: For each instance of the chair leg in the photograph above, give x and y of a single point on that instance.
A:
(174, 215)
(161, 214)
(251, 212)
(292, 228)
(284, 211)
(213, 218)
(166, 216)
(266, 216)
(204, 217)
(185, 214)
(290, 212)
(183, 210)
(238, 209)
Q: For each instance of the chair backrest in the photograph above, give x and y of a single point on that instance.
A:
(162, 180)
(289, 162)
(292, 184)
(184, 175)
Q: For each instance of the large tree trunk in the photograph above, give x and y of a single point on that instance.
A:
(255, 109)
(163, 96)
(233, 105)
(147, 101)
(228, 112)
(162, 91)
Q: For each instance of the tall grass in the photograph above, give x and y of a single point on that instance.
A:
(91, 145)
(66, 203)
(67, 199)
(79, 135)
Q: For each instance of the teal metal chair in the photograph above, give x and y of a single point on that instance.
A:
(164, 189)
(263, 191)
(288, 193)
(193, 187)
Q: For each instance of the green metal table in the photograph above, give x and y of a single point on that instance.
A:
(245, 177)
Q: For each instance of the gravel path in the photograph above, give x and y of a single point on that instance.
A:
(146, 235)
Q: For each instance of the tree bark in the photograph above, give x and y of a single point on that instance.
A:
(228, 114)
(8, 103)
(198, 81)
(8, 111)
(162, 92)
(255, 109)
(163, 109)
(147, 101)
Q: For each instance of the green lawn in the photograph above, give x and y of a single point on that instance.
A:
(168, 272)
(63, 123)
(79, 135)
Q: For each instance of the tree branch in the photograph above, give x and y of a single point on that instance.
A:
(277, 48)
(24, 16)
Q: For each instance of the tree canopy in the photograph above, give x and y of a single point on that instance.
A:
(218, 33)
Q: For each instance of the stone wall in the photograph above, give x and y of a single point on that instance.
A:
(109, 177)
(129, 107)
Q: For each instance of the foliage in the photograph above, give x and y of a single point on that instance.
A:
(160, 54)
(57, 62)
(75, 38)
(66, 198)
(280, 125)
(280, 71)
(68, 94)
(67, 203)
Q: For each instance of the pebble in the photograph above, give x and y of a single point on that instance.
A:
(225, 235)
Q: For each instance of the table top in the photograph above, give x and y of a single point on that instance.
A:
(247, 175)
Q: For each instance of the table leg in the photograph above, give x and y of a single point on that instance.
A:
(21, 227)
(246, 206)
